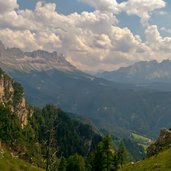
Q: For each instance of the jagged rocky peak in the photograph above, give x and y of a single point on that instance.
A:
(14, 58)
(163, 141)
(41, 53)
(12, 94)
(14, 52)
(141, 73)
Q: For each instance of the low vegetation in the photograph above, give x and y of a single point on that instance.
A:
(141, 140)
(10, 162)
(53, 140)
(159, 162)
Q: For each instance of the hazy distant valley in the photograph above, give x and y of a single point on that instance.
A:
(118, 107)
(85, 85)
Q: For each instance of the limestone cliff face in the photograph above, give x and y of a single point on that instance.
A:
(163, 141)
(12, 94)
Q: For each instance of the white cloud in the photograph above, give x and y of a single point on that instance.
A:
(156, 41)
(30, 41)
(103, 5)
(166, 30)
(20, 39)
(152, 34)
(7, 5)
(90, 40)
(142, 8)
(160, 46)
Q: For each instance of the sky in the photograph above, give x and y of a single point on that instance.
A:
(94, 35)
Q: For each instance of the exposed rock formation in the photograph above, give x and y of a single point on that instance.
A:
(141, 73)
(37, 60)
(164, 141)
(12, 94)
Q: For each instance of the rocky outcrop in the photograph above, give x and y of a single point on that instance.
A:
(164, 141)
(12, 95)
(39, 60)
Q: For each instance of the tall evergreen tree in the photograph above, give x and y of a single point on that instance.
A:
(75, 163)
(103, 157)
(122, 153)
(63, 164)
(10, 126)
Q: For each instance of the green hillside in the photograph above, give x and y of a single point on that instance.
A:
(117, 108)
(141, 140)
(10, 162)
(160, 162)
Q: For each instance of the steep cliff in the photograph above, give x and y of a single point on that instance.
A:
(12, 95)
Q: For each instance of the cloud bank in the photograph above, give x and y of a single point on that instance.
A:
(90, 40)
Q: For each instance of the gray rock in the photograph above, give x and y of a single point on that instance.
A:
(163, 141)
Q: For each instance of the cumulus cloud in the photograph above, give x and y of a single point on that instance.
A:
(90, 40)
(29, 41)
(103, 5)
(142, 8)
(156, 41)
(8, 5)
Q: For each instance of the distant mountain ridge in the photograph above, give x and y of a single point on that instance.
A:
(116, 107)
(14, 58)
(141, 72)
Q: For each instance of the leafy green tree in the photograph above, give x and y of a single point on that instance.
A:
(75, 163)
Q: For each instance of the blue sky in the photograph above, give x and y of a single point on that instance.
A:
(63, 6)
(69, 6)
(92, 34)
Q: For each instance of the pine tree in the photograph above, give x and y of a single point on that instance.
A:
(75, 163)
(10, 126)
(63, 164)
(103, 157)
(122, 153)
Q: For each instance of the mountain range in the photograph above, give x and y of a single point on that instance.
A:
(120, 108)
(14, 58)
(141, 73)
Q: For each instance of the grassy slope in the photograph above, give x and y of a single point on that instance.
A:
(160, 162)
(10, 163)
(141, 140)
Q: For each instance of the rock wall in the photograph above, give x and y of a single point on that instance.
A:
(9, 96)
(163, 141)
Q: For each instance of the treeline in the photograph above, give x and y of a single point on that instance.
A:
(54, 141)
(103, 158)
